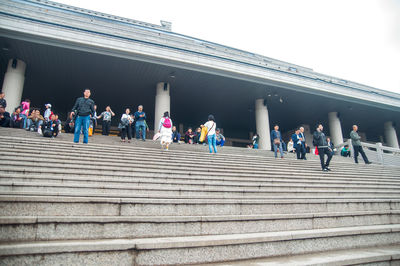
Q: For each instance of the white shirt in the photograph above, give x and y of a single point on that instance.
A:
(127, 117)
(211, 126)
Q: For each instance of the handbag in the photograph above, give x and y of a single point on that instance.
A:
(277, 141)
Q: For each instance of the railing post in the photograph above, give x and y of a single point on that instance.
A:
(379, 152)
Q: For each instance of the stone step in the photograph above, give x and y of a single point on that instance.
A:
(144, 151)
(198, 249)
(201, 184)
(49, 204)
(137, 151)
(382, 255)
(14, 135)
(12, 174)
(104, 141)
(125, 189)
(9, 165)
(299, 167)
(40, 228)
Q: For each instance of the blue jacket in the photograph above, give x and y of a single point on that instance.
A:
(295, 139)
(137, 116)
(274, 136)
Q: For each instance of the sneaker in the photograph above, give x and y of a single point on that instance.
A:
(325, 170)
(368, 163)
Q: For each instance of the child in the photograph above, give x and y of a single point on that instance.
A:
(165, 129)
(220, 138)
(47, 112)
(255, 140)
(25, 111)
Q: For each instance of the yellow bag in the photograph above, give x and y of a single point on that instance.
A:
(203, 134)
(90, 131)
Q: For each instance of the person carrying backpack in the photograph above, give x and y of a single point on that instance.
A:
(165, 129)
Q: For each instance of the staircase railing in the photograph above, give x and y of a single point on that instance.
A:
(376, 153)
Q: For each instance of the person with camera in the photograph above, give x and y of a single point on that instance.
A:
(320, 142)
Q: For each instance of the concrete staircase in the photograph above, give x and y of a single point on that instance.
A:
(108, 203)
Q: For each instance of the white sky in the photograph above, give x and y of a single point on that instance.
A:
(358, 40)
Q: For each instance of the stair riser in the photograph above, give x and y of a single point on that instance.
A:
(170, 192)
(181, 208)
(193, 255)
(62, 172)
(99, 159)
(190, 181)
(98, 230)
(84, 167)
(213, 185)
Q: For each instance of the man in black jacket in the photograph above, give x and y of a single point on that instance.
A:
(84, 109)
(4, 117)
(319, 140)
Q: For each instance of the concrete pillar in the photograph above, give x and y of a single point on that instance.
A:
(163, 102)
(14, 83)
(390, 135)
(335, 128)
(262, 125)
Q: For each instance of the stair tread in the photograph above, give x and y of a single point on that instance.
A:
(43, 247)
(335, 257)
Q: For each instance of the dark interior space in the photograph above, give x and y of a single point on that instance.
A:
(59, 75)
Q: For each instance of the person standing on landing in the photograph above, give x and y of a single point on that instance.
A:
(125, 125)
(211, 138)
(165, 129)
(297, 143)
(107, 115)
(319, 140)
(140, 125)
(303, 144)
(276, 138)
(355, 140)
(84, 109)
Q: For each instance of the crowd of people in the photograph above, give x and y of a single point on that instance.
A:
(83, 117)
(323, 145)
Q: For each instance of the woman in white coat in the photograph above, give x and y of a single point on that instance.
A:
(165, 129)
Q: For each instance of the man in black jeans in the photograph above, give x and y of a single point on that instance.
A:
(355, 139)
(319, 140)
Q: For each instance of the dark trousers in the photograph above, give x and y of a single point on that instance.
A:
(359, 149)
(17, 123)
(301, 152)
(321, 153)
(106, 127)
(55, 131)
(298, 151)
(126, 131)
